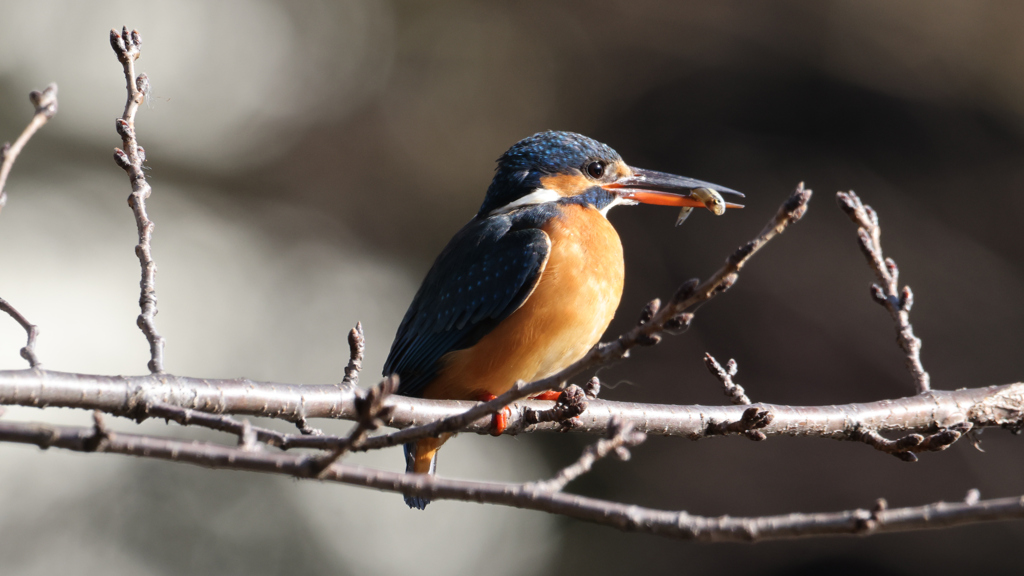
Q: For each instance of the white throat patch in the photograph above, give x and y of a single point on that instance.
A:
(538, 196)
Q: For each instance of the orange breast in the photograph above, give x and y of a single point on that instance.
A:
(574, 302)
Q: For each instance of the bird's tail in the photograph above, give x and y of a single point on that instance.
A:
(419, 460)
(415, 463)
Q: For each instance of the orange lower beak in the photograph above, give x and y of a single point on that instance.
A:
(659, 188)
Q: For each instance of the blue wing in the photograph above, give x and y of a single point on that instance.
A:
(484, 274)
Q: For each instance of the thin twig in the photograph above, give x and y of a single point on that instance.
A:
(905, 447)
(621, 438)
(371, 413)
(675, 524)
(45, 103)
(28, 352)
(356, 348)
(662, 319)
(131, 158)
(242, 428)
(888, 293)
(733, 390)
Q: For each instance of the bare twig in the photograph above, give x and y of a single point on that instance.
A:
(356, 347)
(905, 447)
(888, 293)
(28, 352)
(247, 434)
(733, 390)
(45, 103)
(626, 517)
(621, 437)
(371, 413)
(655, 320)
(131, 158)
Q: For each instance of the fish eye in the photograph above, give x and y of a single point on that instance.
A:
(595, 169)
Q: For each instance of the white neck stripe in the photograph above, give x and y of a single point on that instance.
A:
(538, 196)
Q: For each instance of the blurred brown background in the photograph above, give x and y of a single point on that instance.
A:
(309, 159)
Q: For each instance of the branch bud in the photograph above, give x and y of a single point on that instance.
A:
(878, 294)
(848, 202)
(649, 311)
(45, 102)
(686, 290)
(123, 129)
(592, 388)
(122, 159)
(142, 84)
(142, 153)
(894, 272)
(732, 367)
(872, 215)
(678, 324)
(906, 299)
(117, 44)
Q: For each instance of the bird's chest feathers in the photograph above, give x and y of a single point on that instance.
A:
(579, 291)
(566, 314)
(585, 260)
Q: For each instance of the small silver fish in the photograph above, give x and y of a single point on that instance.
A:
(712, 201)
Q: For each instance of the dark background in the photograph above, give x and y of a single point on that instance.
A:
(310, 159)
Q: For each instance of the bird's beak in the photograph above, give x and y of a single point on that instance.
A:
(650, 187)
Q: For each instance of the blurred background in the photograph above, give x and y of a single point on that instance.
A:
(309, 159)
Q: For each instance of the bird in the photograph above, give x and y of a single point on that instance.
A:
(532, 281)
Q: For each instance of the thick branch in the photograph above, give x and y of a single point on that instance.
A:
(131, 157)
(622, 516)
(45, 103)
(131, 395)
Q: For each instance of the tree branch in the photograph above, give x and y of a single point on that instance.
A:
(131, 158)
(655, 321)
(132, 397)
(45, 103)
(28, 352)
(675, 524)
(737, 395)
(897, 302)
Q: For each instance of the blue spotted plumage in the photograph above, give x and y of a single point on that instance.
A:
(484, 274)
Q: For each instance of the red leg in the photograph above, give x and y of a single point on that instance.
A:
(500, 422)
(551, 395)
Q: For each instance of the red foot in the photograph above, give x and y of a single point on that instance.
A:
(551, 395)
(500, 421)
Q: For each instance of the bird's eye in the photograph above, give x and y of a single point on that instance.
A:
(595, 169)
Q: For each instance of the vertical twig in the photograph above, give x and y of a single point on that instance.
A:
(131, 158)
(888, 293)
(45, 103)
(356, 348)
(29, 351)
(737, 395)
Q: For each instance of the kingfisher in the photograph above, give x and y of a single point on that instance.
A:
(530, 284)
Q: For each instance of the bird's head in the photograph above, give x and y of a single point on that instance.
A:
(566, 167)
